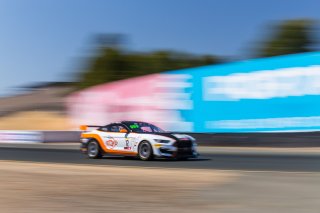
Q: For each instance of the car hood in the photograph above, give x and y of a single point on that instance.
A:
(175, 136)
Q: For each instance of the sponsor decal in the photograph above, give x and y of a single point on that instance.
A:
(134, 126)
(127, 147)
(111, 143)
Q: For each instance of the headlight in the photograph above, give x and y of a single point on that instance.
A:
(192, 138)
(161, 141)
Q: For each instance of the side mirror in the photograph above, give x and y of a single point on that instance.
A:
(123, 130)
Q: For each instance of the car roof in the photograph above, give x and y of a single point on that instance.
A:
(123, 122)
(134, 121)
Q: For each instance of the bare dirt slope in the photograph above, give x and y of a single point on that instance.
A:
(44, 187)
(35, 187)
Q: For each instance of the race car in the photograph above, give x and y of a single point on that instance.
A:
(135, 138)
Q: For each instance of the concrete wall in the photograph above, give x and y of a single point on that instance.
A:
(301, 139)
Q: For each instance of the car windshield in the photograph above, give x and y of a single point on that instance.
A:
(141, 127)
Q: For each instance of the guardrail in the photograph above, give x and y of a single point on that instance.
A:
(279, 139)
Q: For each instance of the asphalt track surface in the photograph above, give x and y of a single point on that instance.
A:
(220, 161)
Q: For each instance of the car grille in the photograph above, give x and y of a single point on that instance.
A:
(184, 151)
(184, 147)
(184, 144)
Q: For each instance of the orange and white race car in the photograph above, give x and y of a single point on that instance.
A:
(135, 138)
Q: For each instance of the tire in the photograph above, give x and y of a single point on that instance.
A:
(129, 157)
(183, 158)
(94, 150)
(145, 151)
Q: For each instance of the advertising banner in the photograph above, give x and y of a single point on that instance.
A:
(269, 94)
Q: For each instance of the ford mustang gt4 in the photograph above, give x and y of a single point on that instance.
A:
(134, 138)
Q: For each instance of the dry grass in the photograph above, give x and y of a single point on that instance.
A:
(35, 120)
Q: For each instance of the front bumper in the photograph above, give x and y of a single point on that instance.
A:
(169, 151)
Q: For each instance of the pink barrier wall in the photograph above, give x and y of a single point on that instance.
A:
(148, 98)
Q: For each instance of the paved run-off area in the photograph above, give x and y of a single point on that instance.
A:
(50, 187)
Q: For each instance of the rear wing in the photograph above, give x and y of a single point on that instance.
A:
(85, 127)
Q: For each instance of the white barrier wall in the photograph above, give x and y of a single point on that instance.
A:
(21, 136)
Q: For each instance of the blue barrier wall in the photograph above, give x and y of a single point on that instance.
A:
(271, 94)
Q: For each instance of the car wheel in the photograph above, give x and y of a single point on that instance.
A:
(145, 151)
(94, 150)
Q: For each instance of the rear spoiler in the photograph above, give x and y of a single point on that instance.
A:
(85, 127)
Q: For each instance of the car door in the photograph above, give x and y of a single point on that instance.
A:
(129, 139)
(115, 139)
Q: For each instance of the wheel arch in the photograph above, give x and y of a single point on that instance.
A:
(92, 139)
(144, 140)
(99, 152)
(98, 139)
(151, 153)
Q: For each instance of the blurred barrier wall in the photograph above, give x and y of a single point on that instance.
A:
(287, 139)
(61, 136)
(270, 94)
(21, 137)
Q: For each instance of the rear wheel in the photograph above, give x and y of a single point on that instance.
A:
(94, 150)
(145, 151)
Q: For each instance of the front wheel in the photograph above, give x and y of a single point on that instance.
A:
(182, 158)
(145, 151)
(94, 150)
